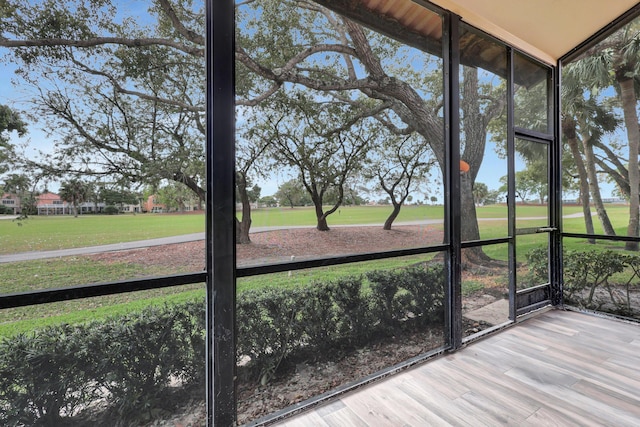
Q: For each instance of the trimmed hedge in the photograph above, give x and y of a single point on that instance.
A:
(128, 365)
(126, 362)
(595, 280)
(275, 325)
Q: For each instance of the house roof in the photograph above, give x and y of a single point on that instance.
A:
(545, 29)
(48, 196)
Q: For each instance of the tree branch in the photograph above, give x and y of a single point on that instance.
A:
(99, 41)
(190, 35)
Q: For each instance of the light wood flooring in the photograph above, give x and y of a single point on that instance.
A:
(556, 369)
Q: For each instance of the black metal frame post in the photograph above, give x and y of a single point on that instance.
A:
(452, 177)
(511, 184)
(555, 198)
(221, 253)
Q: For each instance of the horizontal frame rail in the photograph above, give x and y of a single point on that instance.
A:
(488, 242)
(602, 237)
(23, 299)
(327, 262)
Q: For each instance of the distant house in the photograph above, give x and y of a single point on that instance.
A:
(51, 204)
(153, 205)
(91, 207)
(192, 204)
(11, 201)
(130, 208)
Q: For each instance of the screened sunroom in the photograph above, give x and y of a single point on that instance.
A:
(399, 213)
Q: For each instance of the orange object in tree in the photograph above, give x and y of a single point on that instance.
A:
(464, 166)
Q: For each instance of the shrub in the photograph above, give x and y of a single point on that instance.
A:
(268, 327)
(111, 210)
(129, 361)
(624, 301)
(585, 271)
(538, 263)
(43, 376)
(319, 319)
(387, 304)
(355, 320)
(588, 272)
(426, 287)
(135, 357)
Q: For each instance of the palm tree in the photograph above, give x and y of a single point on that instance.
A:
(616, 62)
(75, 192)
(584, 123)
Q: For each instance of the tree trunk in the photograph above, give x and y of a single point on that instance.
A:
(629, 101)
(392, 217)
(322, 224)
(594, 187)
(238, 230)
(469, 229)
(569, 130)
(469, 219)
(242, 235)
(475, 136)
(320, 216)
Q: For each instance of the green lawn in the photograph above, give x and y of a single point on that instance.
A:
(304, 277)
(58, 232)
(347, 215)
(38, 233)
(24, 319)
(63, 272)
(378, 214)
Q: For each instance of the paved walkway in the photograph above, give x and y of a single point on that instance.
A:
(494, 313)
(26, 256)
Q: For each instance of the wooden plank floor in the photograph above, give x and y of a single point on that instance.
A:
(555, 369)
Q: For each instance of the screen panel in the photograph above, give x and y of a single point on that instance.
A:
(532, 184)
(485, 289)
(335, 162)
(305, 332)
(124, 358)
(532, 105)
(483, 136)
(599, 111)
(105, 151)
(601, 276)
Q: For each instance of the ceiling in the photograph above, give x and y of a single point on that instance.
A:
(546, 29)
